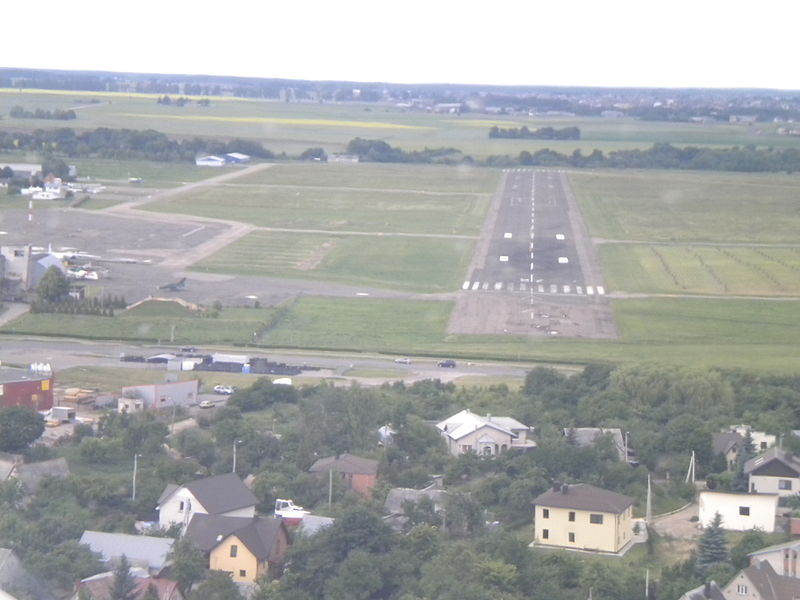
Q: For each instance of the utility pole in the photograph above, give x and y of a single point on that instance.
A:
(135, 468)
(235, 443)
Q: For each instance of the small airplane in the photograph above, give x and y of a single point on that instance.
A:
(175, 286)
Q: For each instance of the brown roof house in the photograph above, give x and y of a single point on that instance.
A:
(224, 495)
(246, 548)
(774, 472)
(359, 474)
(99, 586)
(759, 581)
(583, 517)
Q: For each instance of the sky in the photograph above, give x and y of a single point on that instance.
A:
(610, 43)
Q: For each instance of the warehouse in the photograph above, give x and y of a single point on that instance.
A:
(26, 387)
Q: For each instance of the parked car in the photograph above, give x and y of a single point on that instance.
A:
(447, 364)
(403, 361)
(224, 389)
(206, 404)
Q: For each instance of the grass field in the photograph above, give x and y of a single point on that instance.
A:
(402, 263)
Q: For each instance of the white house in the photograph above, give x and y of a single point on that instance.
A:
(223, 495)
(761, 440)
(467, 432)
(739, 511)
(774, 472)
(784, 558)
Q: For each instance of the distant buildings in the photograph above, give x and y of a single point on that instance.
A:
(220, 161)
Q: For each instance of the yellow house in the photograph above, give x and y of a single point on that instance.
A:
(583, 517)
(245, 548)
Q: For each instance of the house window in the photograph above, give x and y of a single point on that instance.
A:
(571, 537)
(234, 550)
(596, 519)
(545, 534)
(572, 515)
(744, 511)
(784, 484)
(545, 513)
(741, 589)
(242, 573)
(763, 445)
(466, 448)
(180, 506)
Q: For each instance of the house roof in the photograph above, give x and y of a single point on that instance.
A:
(346, 463)
(218, 494)
(31, 475)
(466, 422)
(14, 576)
(583, 496)
(259, 534)
(707, 591)
(722, 443)
(769, 584)
(12, 375)
(139, 549)
(311, 524)
(397, 496)
(793, 544)
(774, 454)
(100, 585)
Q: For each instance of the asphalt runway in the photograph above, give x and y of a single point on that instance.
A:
(533, 244)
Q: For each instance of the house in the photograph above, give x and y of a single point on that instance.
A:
(488, 436)
(585, 437)
(359, 474)
(13, 576)
(209, 161)
(761, 440)
(739, 511)
(160, 395)
(223, 495)
(397, 498)
(782, 557)
(143, 551)
(26, 387)
(774, 472)
(708, 591)
(98, 587)
(759, 581)
(246, 548)
(313, 524)
(583, 517)
(727, 444)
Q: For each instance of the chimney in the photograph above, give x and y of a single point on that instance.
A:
(488, 416)
(556, 486)
(564, 488)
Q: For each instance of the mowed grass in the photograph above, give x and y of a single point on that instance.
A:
(690, 206)
(402, 263)
(716, 270)
(153, 174)
(233, 326)
(336, 209)
(745, 334)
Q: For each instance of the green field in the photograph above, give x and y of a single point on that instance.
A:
(402, 263)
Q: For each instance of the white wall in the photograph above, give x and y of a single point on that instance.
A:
(761, 506)
(179, 509)
(769, 484)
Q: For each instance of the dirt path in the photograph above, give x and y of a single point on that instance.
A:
(680, 524)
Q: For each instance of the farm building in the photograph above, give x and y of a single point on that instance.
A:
(137, 398)
(209, 161)
(24, 387)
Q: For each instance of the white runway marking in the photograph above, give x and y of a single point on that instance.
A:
(590, 290)
(476, 285)
(507, 236)
(498, 287)
(560, 236)
(465, 286)
(485, 286)
(553, 288)
(562, 260)
(522, 287)
(600, 290)
(541, 289)
(566, 289)
(503, 259)
(579, 289)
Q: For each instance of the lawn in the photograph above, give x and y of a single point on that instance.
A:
(689, 206)
(401, 263)
(713, 270)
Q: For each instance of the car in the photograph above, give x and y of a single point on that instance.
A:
(403, 361)
(447, 363)
(206, 404)
(224, 389)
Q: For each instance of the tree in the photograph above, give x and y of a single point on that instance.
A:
(54, 285)
(188, 564)
(124, 586)
(19, 427)
(712, 548)
(218, 586)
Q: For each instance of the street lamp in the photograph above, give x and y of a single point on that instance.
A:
(135, 468)
(235, 444)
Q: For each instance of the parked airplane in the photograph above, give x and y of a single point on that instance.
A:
(174, 286)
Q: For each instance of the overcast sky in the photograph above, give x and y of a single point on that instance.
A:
(675, 43)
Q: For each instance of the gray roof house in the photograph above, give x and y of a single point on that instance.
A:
(143, 551)
(759, 581)
(13, 576)
(584, 437)
(32, 475)
(223, 495)
(708, 591)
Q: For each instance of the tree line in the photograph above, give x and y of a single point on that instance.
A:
(60, 114)
(543, 133)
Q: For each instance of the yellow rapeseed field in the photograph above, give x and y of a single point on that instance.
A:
(280, 121)
(110, 94)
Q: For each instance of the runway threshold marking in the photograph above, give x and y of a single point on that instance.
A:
(465, 286)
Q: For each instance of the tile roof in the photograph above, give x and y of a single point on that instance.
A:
(773, 454)
(582, 496)
(259, 534)
(345, 463)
